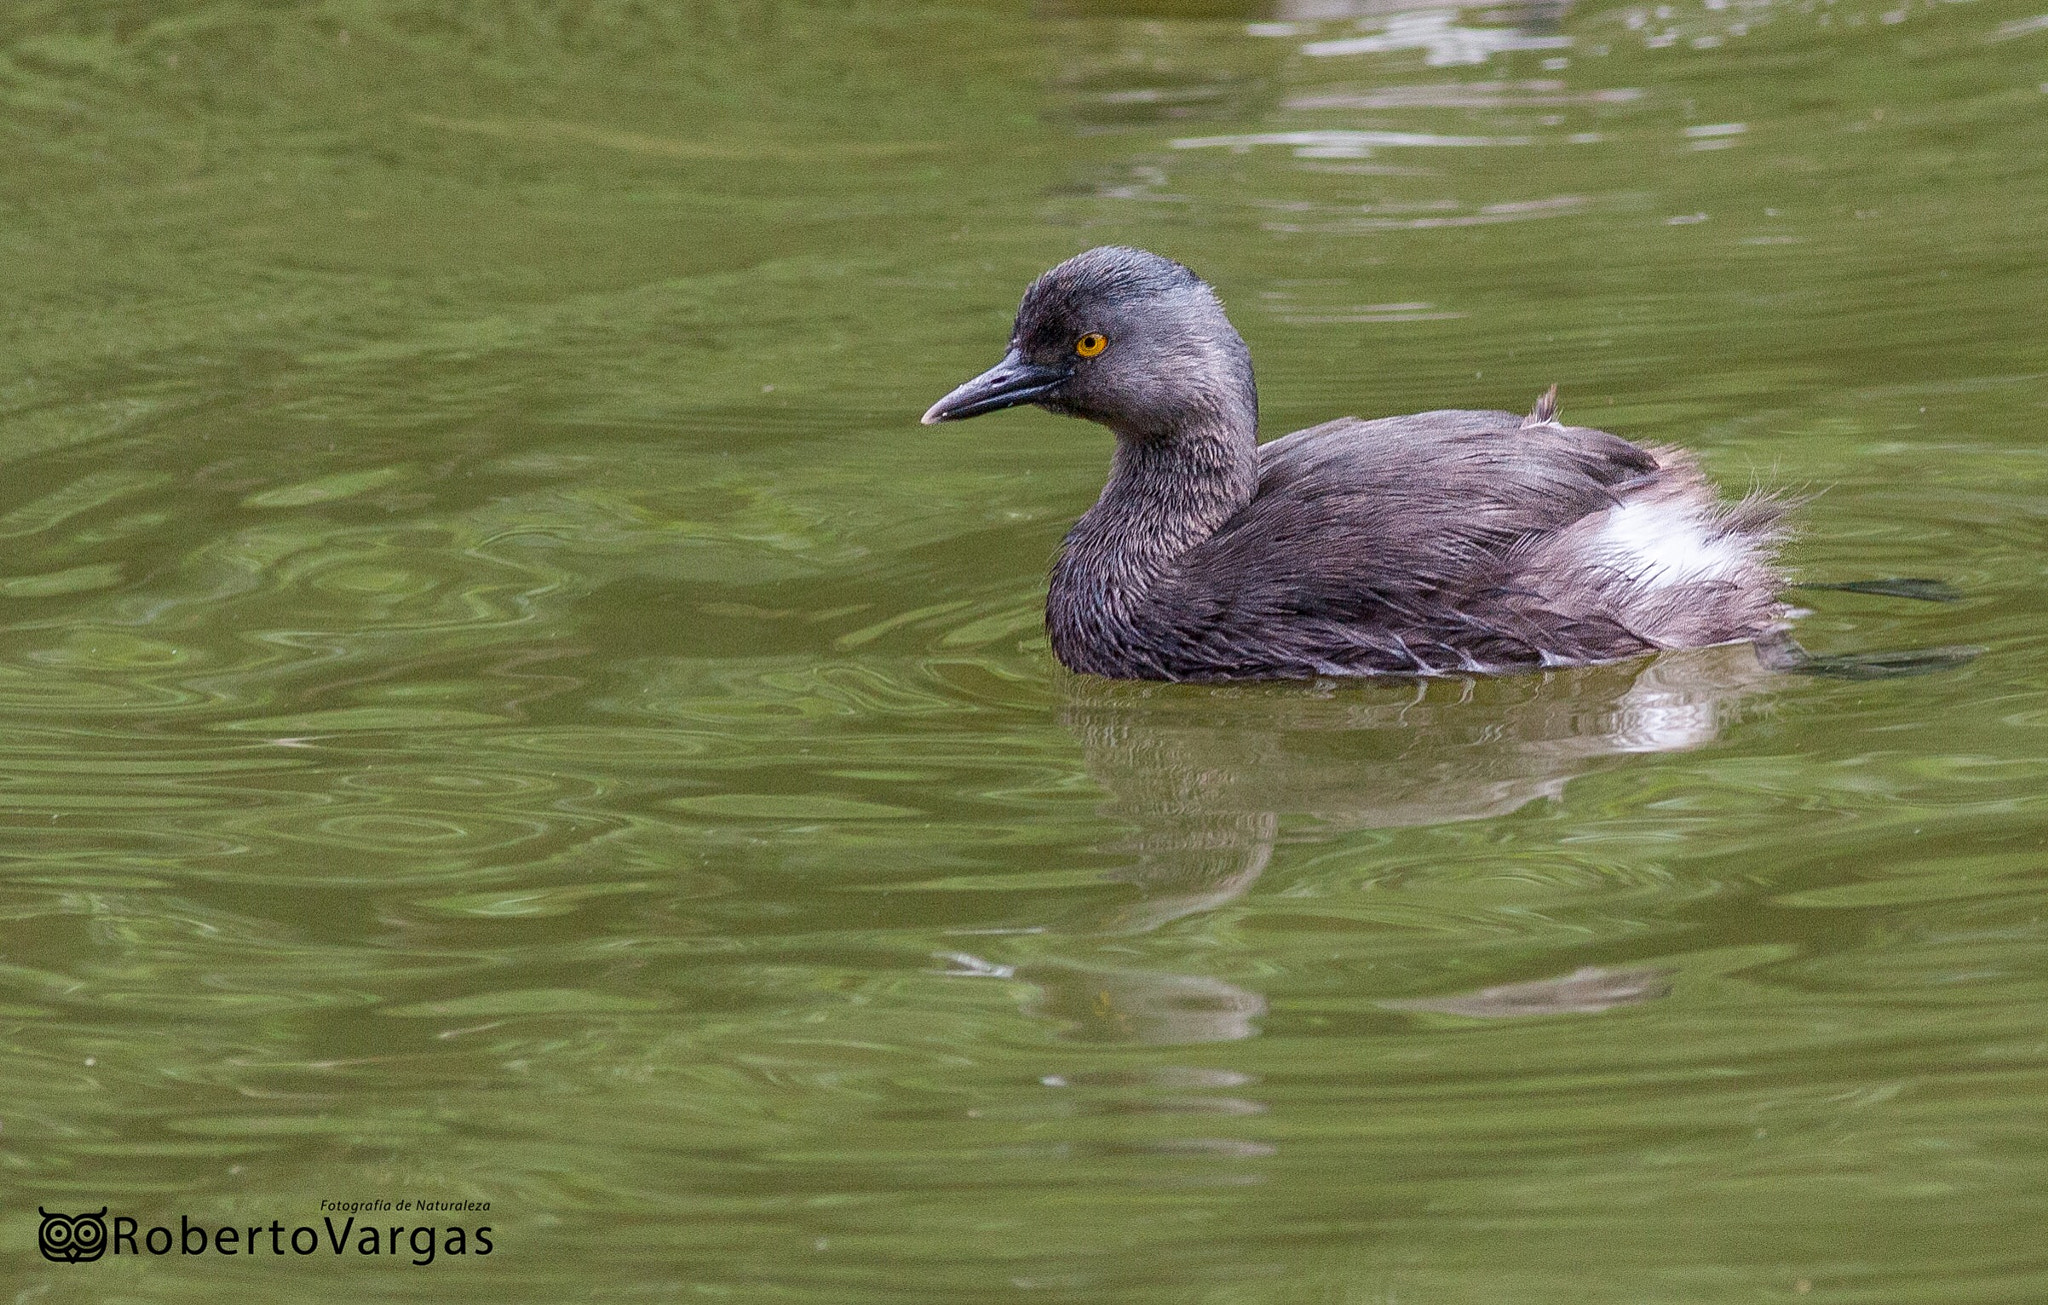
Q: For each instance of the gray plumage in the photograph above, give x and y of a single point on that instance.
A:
(1442, 542)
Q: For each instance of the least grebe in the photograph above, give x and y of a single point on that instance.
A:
(1444, 542)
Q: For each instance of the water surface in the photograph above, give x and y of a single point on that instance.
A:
(499, 699)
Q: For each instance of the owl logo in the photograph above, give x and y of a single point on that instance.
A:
(73, 1238)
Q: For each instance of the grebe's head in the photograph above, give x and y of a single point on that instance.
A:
(1123, 337)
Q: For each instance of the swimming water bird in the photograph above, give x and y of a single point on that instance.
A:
(1440, 543)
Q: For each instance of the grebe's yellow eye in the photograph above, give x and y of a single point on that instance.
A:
(1091, 344)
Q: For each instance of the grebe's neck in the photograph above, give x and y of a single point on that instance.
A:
(1167, 492)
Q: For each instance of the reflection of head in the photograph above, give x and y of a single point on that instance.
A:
(1202, 775)
(1145, 1006)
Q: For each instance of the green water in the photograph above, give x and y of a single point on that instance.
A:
(500, 700)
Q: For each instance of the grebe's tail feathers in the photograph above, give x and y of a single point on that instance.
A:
(1545, 411)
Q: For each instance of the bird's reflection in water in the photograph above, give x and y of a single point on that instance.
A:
(1202, 778)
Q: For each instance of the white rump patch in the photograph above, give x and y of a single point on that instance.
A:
(1660, 542)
